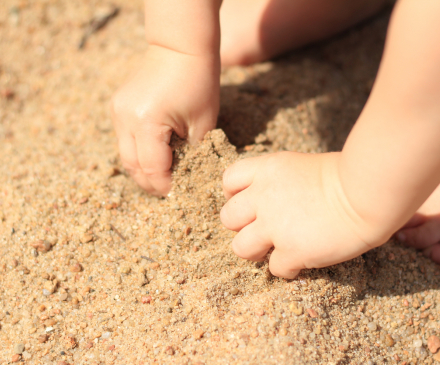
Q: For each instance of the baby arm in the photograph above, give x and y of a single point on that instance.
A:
(319, 210)
(390, 163)
(175, 90)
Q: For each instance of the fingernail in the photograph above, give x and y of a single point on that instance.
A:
(401, 236)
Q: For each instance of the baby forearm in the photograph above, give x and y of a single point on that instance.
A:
(390, 163)
(186, 26)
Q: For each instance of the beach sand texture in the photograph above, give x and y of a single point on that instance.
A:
(95, 271)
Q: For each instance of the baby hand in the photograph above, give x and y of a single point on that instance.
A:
(172, 92)
(295, 203)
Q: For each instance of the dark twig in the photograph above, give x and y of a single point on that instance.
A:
(117, 232)
(147, 258)
(96, 23)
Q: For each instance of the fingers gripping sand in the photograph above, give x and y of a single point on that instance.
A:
(94, 271)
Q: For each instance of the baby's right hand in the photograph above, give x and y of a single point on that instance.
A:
(172, 92)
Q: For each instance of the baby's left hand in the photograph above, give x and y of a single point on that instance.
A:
(295, 203)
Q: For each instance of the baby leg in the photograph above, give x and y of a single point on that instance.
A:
(257, 30)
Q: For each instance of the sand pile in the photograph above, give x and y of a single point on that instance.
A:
(94, 271)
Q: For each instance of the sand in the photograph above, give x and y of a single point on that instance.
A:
(95, 271)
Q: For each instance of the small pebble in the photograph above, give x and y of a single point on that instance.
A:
(15, 358)
(50, 322)
(7, 93)
(180, 280)
(295, 308)
(42, 338)
(389, 341)
(75, 268)
(418, 343)
(433, 344)
(19, 348)
(106, 335)
(372, 326)
(86, 238)
(113, 171)
(41, 245)
(312, 313)
(125, 269)
(197, 335)
(69, 342)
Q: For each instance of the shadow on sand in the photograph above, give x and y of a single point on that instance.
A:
(322, 90)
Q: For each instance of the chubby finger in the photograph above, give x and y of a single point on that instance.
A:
(252, 242)
(434, 253)
(421, 237)
(155, 155)
(416, 220)
(197, 131)
(128, 152)
(238, 212)
(129, 158)
(143, 181)
(283, 266)
(240, 175)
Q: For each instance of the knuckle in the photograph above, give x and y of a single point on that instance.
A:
(129, 163)
(148, 171)
(151, 167)
(130, 168)
(122, 104)
(143, 113)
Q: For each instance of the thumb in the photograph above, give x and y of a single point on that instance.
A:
(197, 131)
